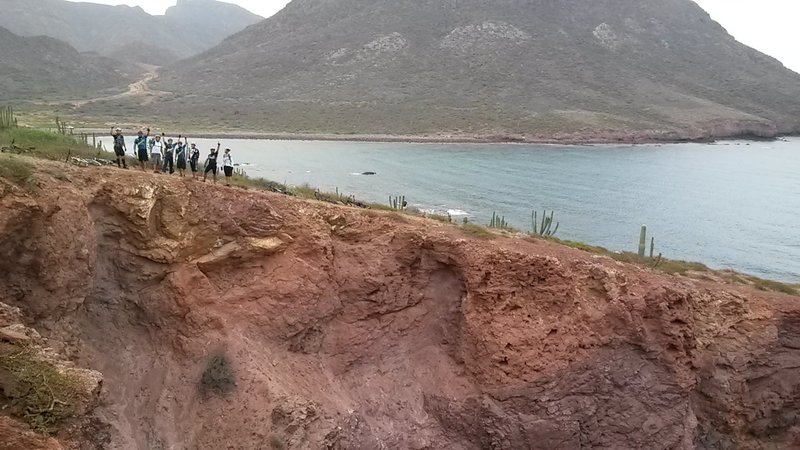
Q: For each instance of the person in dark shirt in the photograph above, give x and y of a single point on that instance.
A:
(180, 157)
(211, 164)
(119, 147)
(169, 157)
(194, 158)
(140, 144)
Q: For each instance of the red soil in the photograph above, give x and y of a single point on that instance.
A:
(353, 329)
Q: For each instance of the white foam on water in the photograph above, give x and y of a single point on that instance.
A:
(457, 212)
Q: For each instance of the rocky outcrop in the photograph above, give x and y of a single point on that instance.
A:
(344, 328)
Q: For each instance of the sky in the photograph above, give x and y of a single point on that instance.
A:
(771, 26)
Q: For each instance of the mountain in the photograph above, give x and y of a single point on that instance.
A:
(599, 69)
(186, 29)
(45, 68)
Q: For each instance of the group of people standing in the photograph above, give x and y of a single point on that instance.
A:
(163, 155)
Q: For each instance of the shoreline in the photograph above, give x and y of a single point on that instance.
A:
(448, 139)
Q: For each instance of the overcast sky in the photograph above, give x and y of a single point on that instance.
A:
(771, 26)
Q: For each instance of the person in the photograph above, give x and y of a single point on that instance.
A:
(140, 144)
(194, 159)
(211, 164)
(119, 147)
(180, 157)
(227, 166)
(169, 157)
(156, 148)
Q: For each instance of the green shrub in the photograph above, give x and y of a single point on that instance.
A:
(218, 377)
(47, 145)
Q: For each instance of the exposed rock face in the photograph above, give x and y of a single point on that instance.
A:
(351, 329)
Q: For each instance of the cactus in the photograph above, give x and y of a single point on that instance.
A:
(642, 241)
(61, 126)
(398, 203)
(498, 222)
(546, 226)
(7, 119)
(652, 246)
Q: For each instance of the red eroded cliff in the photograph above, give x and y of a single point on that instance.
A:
(356, 329)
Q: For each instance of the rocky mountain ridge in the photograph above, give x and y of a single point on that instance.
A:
(186, 29)
(46, 69)
(611, 69)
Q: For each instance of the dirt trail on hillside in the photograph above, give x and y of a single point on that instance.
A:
(138, 89)
(354, 329)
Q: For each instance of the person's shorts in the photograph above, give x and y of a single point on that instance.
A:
(119, 151)
(193, 163)
(156, 159)
(211, 168)
(181, 163)
(143, 157)
(228, 171)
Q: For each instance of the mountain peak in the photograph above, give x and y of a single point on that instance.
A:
(536, 68)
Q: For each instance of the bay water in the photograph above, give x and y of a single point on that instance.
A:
(730, 204)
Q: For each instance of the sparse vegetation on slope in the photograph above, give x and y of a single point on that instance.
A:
(601, 70)
(40, 393)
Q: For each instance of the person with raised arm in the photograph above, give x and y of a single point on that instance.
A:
(119, 147)
(194, 158)
(227, 166)
(180, 157)
(140, 145)
(156, 150)
(211, 163)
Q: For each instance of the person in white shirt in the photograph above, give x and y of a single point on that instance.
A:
(227, 165)
(156, 150)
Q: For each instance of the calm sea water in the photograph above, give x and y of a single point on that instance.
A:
(729, 205)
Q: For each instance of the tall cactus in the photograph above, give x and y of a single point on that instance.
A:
(546, 226)
(398, 203)
(7, 119)
(642, 241)
(498, 222)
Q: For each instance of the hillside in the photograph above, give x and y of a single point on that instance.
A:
(600, 68)
(186, 29)
(214, 315)
(43, 68)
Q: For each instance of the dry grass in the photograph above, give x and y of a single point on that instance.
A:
(36, 390)
(17, 170)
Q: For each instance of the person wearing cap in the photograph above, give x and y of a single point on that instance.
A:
(119, 147)
(227, 166)
(211, 163)
(156, 148)
(194, 157)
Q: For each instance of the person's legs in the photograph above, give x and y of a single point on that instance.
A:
(214, 172)
(228, 175)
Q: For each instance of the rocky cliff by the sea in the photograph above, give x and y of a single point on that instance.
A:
(224, 318)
